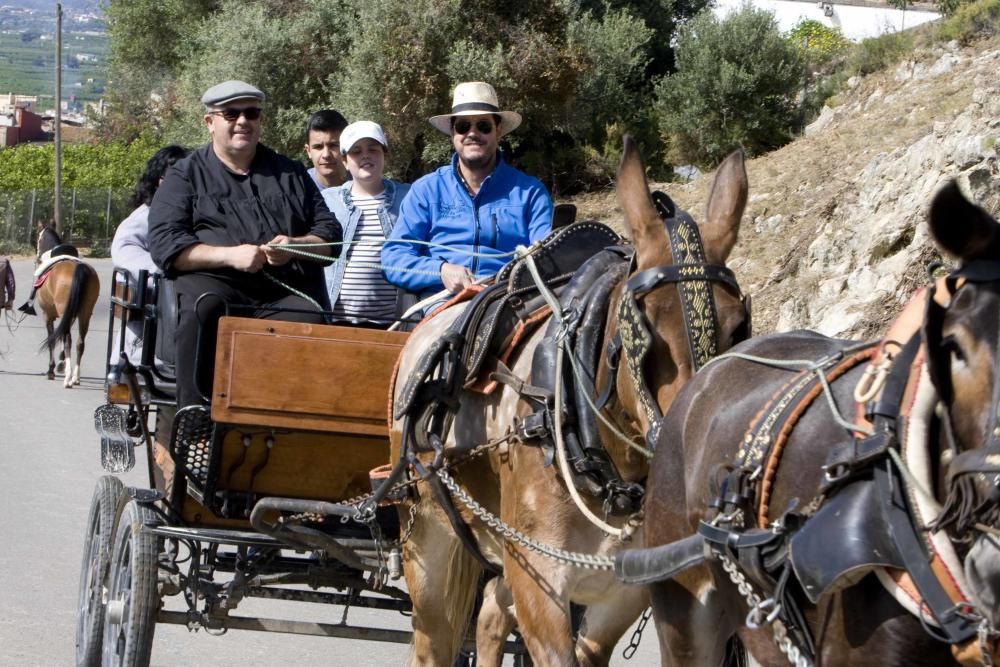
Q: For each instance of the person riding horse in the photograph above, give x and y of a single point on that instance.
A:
(50, 246)
(48, 238)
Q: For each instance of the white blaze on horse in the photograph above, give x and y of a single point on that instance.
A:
(68, 294)
(667, 303)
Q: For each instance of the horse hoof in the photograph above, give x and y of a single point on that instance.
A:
(50, 375)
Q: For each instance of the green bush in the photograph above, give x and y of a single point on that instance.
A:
(610, 95)
(83, 165)
(735, 85)
(878, 53)
(976, 20)
(289, 50)
(573, 69)
(822, 43)
(9, 248)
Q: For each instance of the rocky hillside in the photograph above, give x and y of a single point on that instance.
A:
(834, 237)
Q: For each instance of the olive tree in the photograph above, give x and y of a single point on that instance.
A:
(736, 84)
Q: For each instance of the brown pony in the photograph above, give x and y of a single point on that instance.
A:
(514, 483)
(853, 620)
(68, 294)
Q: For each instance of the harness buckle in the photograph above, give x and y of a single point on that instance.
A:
(534, 426)
(756, 617)
(835, 474)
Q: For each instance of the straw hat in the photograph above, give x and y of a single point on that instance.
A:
(475, 98)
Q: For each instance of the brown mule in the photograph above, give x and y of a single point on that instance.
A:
(514, 482)
(68, 294)
(854, 620)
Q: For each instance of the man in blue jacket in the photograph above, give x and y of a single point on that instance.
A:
(462, 222)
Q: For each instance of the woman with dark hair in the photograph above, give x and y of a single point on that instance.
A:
(130, 247)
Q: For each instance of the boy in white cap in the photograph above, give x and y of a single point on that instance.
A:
(475, 211)
(368, 206)
(214, 223)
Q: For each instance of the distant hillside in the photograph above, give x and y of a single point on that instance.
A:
(834, 237)
(50, 6)
(27, 54)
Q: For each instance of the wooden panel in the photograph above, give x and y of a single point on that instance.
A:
(311, 466)
(315, 466)
(304, 376)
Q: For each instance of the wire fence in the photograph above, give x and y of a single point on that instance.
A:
(89, 216)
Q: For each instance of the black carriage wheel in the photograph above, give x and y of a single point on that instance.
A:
(132, 596)
(94, 569)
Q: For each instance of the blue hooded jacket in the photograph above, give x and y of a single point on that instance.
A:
(480, 233)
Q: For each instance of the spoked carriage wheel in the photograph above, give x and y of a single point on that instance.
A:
(93, 571)
(132, 596)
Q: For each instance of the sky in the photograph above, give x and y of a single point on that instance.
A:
(856, 23)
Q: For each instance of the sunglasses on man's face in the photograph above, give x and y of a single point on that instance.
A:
(482, 126)
(230, 115)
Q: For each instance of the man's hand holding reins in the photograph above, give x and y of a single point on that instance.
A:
(277, 256)
(247, 257)
(455, 277)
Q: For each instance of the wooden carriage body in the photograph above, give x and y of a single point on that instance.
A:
(297, 411)
(301, 411)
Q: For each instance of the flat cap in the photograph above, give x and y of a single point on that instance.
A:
(229, 91)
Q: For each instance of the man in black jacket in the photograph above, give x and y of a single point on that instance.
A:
(217, 224)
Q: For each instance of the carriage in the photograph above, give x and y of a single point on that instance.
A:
(267, 493)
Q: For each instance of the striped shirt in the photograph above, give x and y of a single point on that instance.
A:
(365, 294)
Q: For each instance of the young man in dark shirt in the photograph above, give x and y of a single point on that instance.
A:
(323, 148)
(216, 225)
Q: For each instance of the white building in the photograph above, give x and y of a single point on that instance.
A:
(857, 19)
(12, 101)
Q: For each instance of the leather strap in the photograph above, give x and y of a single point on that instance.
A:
(458, 524)
(647, 566)
(911, 547)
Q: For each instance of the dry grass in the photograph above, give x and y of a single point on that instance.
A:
(806, 181)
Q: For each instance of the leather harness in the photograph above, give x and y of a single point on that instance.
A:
(428, 399)
(863, 517)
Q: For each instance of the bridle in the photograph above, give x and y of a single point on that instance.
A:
(693, 276)
(963, 511)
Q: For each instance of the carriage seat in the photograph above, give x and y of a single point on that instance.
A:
(145, 304)
(167, 317)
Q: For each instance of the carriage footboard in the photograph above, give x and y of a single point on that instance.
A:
(268, 512)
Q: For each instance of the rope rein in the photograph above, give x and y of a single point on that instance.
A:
(814, 367)
(298, 249)
(553, 302)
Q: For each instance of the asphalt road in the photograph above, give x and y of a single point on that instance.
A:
(49, 464)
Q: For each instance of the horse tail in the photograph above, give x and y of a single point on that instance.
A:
(81, 274)
(461, 589)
